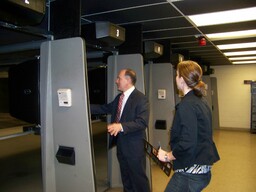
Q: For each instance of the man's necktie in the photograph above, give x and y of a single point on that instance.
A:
(113, 139)
(119, 107)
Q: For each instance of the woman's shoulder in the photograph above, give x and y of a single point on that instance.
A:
(189, 102)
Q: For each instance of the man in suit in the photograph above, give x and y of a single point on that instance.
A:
(127, 130)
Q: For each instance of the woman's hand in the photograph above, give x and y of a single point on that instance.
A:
(165, 156)
(162, 155)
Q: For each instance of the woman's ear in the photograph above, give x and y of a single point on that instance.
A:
(182, 80)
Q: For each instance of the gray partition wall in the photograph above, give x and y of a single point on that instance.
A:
(115, 64)
(215, 105)
(67, 157)
(207, 80)
(160, 90)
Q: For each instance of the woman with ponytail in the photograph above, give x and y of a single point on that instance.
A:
(193, 151)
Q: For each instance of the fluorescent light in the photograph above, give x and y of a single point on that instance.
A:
(231, 16)
(240, 53)
(232, 35)
(170, 1)
(244, 62)
(241, 58)
(237, 45)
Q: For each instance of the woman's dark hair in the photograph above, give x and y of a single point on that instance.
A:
(130, 73)
(192, 75)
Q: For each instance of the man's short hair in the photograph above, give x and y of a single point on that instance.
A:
(131, 74)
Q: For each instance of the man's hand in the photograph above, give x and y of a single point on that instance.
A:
(114, 128)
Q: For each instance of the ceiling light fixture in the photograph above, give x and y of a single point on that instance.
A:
(244, 62)
(222, 17)
(241, 58)
(170, 1)
(232, 35)
(237, 46)
(240, 53)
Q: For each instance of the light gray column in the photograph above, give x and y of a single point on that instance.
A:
(63, 66)
(160, 77)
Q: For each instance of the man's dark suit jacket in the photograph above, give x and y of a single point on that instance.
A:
(134, 120)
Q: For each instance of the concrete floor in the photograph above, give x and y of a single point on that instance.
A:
(20, 163)
(235, 172)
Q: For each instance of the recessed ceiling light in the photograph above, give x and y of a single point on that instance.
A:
(241, 58)
(240, 53)
(237, 45)
(170, 1)
(232, 35)
(222, 17)
(244, 62)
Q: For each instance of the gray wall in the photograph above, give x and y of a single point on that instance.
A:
(207, 80)
(215, 104)
(160, 76)
(63, 65)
